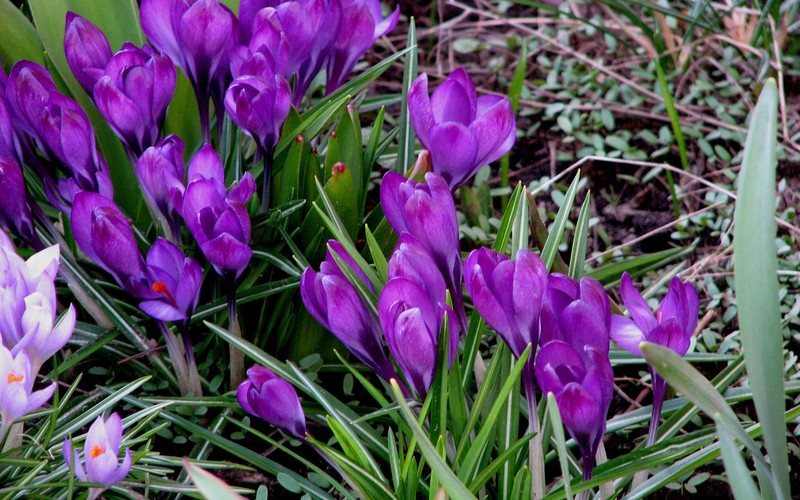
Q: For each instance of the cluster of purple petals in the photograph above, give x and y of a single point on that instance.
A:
(50, 133)
(30, 330)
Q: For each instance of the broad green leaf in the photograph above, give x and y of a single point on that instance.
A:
(18, 36)
(447, 478)
(209, 485)
(738, 474)
(755, 266)
(686, 379)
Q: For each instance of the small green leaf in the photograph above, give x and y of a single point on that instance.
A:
(209, 485)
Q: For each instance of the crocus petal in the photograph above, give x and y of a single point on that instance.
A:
(626, 334)
(494, 132)
(671, 334)
(419, 109)
(637, 307)
(453, 151)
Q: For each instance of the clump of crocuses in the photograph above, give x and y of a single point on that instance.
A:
(462, 131)
(100, 462)
(269, 397)
(671, 326)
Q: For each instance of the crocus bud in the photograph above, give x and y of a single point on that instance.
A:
(87, 50)
(582, 381)
(578, 313)
(161, 173)
(15, 213)
(105, 236)
(27, 93)
(462, 131)
(217, 219)
(333, 301)
(197, 35)
(269, 40)
(672, 326)
(17, 397)
(508, 294)
(364, 23)
(133, 93)
(100, 455)
(427, 212)
(9, 144)
(273, 399)
(411, 260)
(411, 324)
(247, 13)
(260, 106)
(174, 280)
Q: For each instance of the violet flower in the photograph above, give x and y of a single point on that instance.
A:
(462, 131)
(363, 24)
(87, 50)
(333, 301)
(247, 14)
(105, 236)
(175, 279)
(133, 93)
(411, 260)
(100, 455)
(273, 399)
(578, 313)
(581, 379)
(9, 144)
(427, 212)
(28, 305)
(411, 323)
(218, 219)
(15, 212)
(672, 326)
(508, 294)
(198, 36)
(161, 173)
(17, 397)
(268, 48)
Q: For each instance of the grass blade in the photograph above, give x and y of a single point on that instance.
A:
(550, 249)
(405, 149)
(209, 485)
(755, 273)
(739, 476)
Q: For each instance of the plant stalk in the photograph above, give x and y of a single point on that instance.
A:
(236, 356)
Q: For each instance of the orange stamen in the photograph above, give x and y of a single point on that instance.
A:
(160, 287)
(97, 451)
(14, 378)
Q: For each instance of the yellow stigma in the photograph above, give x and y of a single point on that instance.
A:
(14, 378)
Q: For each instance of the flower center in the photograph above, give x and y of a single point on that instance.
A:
(97, 450)
(13, 378)
(160, 287)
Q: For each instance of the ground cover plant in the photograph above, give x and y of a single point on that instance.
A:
(352, 249)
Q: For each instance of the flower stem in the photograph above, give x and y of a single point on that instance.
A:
(191, 364)
(267, 153)
(237, 358)
(659, 391)
(535, 452)
(177, 356)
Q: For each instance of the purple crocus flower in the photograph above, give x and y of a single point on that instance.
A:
(363, 23)
(161, 173)
(105, 236)
(28, 305)
(175, 280)
(247, 14)
(100, 455)
(259, 104)
(268, 47)
(17, 397)
(28, 90)
(411, 322)
(9, 144)
(273, 399)
(462, 131)
(333, 301)
(508, 294)
(411, 260)
(427, 212)
(217, 219)
(133, 93)
(672, 326)
(581, 379)
(198, 35)
(87, 50)
(578, 313)
(15, 213)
